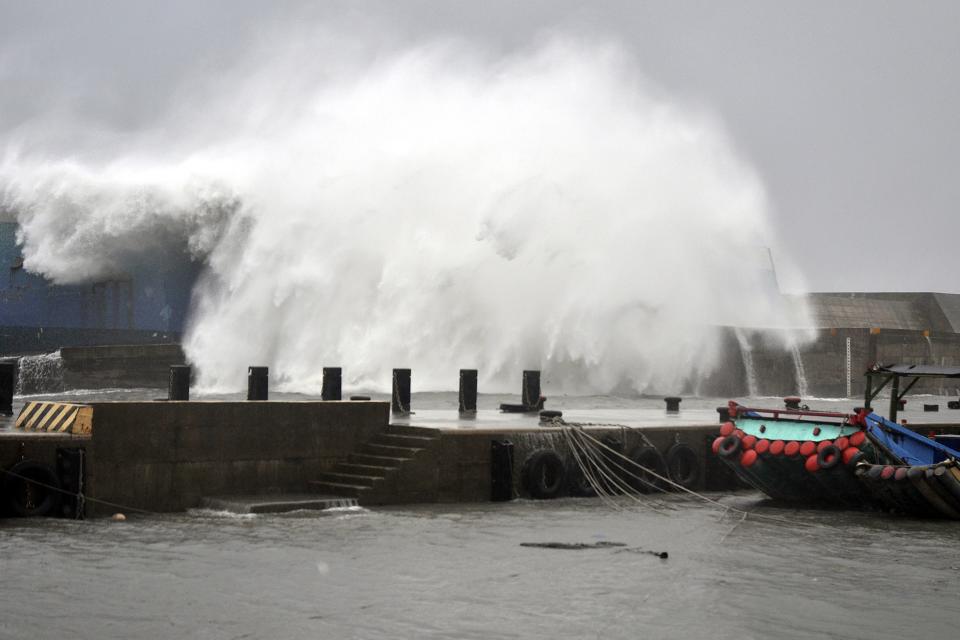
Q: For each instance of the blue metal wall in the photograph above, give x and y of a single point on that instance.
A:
(154, 296)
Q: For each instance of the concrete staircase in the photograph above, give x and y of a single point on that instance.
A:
(397, 466)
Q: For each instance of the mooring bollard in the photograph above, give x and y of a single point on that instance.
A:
(931, 407)
(673, 404)
(7, 374)
(792, 402)
(332, 383)
(257, 386)
(179, 387)
(400, 402)
(724, 413)
(468, 390)
(530, 394)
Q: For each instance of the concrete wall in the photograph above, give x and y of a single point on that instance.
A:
(124, 366)
(165, 456)
(465, 456)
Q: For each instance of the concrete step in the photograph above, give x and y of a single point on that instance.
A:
(378, 470)
(390, 451)
(406, 430)
(402, 440)
(278, 503)
(393, 462)
(349, 478)
(348, 490)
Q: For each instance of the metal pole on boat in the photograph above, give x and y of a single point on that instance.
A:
(894, 398)
(332, 388)
(257, 383)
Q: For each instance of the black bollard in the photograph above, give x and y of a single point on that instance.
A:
(179, 387)
(7, 374)
(673, 404)
(257, 383)
(332, 388)
(931, 407)
(953, 404)
(724, 413)
(792, 402)
(530, 395)
(468, 390)
(400, 402)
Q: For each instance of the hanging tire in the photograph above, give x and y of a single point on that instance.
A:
(729, 447)
(829, 457)
(683, 465)
(543, 474)
(577, 482)
(646, 459)
(32, 489)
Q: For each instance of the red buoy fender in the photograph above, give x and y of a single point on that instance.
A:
(808, 448)
(791, 449)
(776, 447)
(715, 447)
(726, 429)
(857, 438)
(762, 446)
(810, 464)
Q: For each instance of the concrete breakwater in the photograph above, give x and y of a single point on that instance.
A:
(168, 456)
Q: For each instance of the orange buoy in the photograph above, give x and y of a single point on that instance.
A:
(716, 444)
(857, 438)
(762, 446)
(849, 453)
(776, 447)
(791, 449)
(726, 429)
(842, 442)
(823, 444)
(747, 458)
(749, 441)
(808, 448)
(811, 464)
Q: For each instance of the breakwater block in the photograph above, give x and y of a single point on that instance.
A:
(279, 503)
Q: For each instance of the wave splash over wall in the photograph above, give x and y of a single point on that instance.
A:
(438, 209)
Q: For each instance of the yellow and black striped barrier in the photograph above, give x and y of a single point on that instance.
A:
(56, 417)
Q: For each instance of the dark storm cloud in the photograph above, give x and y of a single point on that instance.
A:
(847, 110)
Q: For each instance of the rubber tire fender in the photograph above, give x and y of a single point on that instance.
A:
(730, 447)
(543, 474)
(683, 464)
(15, 486)
(650, 458)
(829, 457)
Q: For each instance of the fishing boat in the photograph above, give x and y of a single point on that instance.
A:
(859, 459)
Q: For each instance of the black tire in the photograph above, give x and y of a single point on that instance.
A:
(647, 459)
(543, 474)
(829, 457)
(683, 465)
(32, 489)
(577, 482)
(729, 447)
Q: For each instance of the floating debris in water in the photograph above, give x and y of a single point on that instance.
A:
(573, 545)
(663, 555)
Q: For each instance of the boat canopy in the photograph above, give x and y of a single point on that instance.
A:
(893, 373)
(919, 370)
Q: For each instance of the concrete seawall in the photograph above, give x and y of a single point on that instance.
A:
(165, 456)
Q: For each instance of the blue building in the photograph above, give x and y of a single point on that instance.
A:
(148, 305)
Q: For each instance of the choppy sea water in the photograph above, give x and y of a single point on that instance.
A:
(459, 571)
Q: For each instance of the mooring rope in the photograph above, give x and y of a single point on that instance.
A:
(79, 496)
(572, 431)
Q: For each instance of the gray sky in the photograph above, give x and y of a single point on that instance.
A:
(847, 110)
